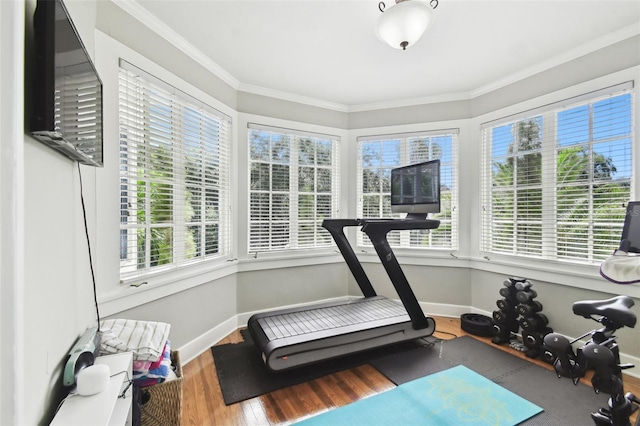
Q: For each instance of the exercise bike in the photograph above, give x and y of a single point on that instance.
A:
(613, 314)
(620, 405)
(600, 353)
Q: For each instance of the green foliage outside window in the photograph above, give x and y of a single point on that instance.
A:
(378, 157)
(589, 188)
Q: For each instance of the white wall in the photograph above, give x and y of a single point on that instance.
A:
(11, 210)
(57, 278)
(57, 285)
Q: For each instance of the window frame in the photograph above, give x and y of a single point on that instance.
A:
(549, 151)
(293, 133)
(129, 270)
(402, 241)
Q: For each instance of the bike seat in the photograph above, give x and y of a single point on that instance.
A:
(616, 309)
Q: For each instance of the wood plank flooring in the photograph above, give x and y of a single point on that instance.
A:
(203, 403)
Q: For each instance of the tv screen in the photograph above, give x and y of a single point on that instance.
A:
(66, 104)
(415, 189)
(630, 239)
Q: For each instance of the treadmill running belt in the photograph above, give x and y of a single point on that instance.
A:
(318, 319)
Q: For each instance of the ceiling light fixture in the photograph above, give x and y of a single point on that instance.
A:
(404, 23)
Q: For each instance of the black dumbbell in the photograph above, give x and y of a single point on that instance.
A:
(501, 334)
(505, 304)
(528, 309)
(532, 339)
(501, 317)
(500, 330)
(522, 285)
(504, 317)
(535, 339)
(508, 293)
(525, 296)
(534, 322)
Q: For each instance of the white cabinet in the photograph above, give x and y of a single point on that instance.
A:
(106, 407)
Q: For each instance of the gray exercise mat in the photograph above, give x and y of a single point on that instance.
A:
(564, 403)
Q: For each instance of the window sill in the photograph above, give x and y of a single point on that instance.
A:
(418, 257)
(569, 274)
(287, 259)
(284, 259)
(136, 291)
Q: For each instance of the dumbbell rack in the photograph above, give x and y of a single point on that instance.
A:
(519, 320)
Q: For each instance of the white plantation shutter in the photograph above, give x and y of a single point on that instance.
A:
(294, 185)
(378, 154)
(556, 180)
(174, 176)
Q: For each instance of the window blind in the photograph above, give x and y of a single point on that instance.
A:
(555, 181)
(174, 176)
(294, 185)
(378, 154)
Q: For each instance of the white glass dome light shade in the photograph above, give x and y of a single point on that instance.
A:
(402, 24)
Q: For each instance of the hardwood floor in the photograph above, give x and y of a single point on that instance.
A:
(203, 403)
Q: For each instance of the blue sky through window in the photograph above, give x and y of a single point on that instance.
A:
(607, 123)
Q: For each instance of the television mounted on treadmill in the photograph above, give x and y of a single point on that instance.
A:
(415, 189)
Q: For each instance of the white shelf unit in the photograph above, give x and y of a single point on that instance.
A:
(106, 407)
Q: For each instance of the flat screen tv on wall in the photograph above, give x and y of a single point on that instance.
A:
(66, 103)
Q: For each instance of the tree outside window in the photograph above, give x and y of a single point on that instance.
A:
(378, 155)
(294, 186)
(559, 181)
(173, 177)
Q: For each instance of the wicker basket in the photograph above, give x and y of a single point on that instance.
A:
(164, 405)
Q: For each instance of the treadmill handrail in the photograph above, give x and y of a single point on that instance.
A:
(399, 224)
(336, 229)
(377, 231)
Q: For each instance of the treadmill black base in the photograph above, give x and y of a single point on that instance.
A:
(384, 322)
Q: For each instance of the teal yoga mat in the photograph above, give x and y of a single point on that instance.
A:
(457, 396)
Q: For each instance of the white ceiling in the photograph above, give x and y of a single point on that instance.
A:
(327, 51)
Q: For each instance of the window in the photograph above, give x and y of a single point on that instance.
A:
(377, 155)
(294, 185)
(174, 176)
(556, 180)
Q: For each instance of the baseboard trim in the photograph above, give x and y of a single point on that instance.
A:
(197, 346)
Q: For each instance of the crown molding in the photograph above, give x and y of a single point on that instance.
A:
(409, 102)
(607, 40)
(292, 97)
(141, 14)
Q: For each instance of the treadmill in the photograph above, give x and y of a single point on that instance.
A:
(290, 338)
